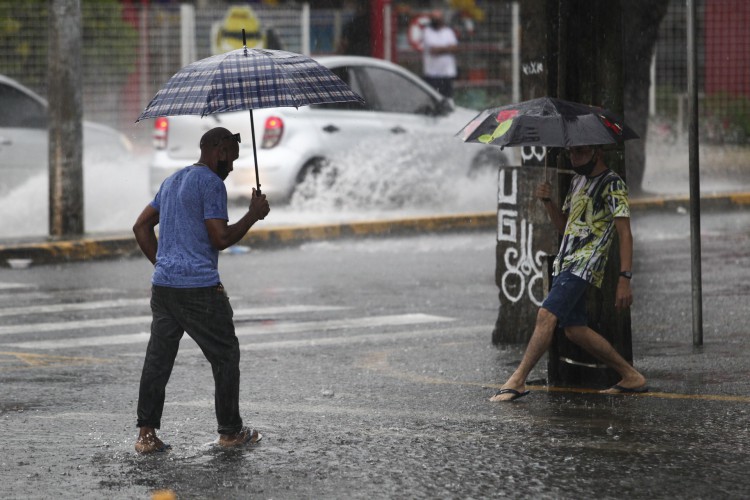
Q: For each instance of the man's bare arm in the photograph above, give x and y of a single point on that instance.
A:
(624, 297)
(224, 235)
(145, 234)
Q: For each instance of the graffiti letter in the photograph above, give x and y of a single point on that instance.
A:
(505, 195)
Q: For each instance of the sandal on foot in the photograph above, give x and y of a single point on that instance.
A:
(516, 394)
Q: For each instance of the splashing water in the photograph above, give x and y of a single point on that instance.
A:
(115, 191)
(413, 173)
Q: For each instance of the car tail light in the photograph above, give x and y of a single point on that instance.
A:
(161, 127)
(272, 132)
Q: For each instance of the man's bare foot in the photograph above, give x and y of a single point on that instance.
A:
(636, 383)
(147, 443)
(245, 436)
(509, 394)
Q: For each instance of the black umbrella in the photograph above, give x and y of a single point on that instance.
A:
(547, 122)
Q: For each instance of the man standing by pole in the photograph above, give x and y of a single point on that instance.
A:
(596, 204)
(187, 295)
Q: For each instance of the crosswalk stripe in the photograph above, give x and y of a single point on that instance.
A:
(354, 339)
(75, 306)
(239, 314)
(72, 325)
(14, 286)
(259, 329)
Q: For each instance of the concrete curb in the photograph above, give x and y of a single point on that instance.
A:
(95, 248)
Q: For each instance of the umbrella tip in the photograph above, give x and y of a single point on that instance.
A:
(244, 40)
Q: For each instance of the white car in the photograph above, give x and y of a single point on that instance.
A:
(24, 136)
(294, 143)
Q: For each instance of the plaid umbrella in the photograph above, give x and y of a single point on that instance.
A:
(247, 79)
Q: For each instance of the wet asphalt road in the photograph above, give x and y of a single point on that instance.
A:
(367, 366)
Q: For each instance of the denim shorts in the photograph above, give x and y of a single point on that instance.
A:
(567, 300)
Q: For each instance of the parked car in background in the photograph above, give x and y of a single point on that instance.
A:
(24, 136)
(294, 143)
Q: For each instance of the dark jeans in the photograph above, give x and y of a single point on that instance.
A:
(205, 314)
(442, 85)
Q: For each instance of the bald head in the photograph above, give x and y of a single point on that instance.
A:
(213, 138)
(219, 149)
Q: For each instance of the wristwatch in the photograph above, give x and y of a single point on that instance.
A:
(626, 274)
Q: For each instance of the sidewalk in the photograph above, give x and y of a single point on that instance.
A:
(101, 246)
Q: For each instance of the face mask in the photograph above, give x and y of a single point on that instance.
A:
(222, 169)
(586, 168)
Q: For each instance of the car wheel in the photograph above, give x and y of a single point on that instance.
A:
(317, 174)
(487, 160)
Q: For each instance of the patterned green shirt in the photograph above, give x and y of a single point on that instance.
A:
(592, 204)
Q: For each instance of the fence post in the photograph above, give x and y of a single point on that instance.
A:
(305, 22)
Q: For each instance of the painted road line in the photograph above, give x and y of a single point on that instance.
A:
(74, 306)
(72, 325)
(338, 324)
(104, 340)
(16, 286)
(239, 315)
(358, 339)
(378, 362)
(259, 329)
(14, 360)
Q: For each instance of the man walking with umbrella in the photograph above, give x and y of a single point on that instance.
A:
(187, 295)
(596, 205)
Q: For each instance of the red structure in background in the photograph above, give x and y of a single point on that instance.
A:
(131, 91)
(727, 35)
(378, 27)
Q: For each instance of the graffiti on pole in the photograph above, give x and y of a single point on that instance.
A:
(522, 267)
(533, 155)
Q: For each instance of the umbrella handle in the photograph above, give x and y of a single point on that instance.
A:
(255, 153)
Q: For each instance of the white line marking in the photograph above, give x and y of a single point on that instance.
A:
(72, 325)
(15, 286)
(239, 315)
(74, 306)
(337, 324)
(353, 339)
(260, 329)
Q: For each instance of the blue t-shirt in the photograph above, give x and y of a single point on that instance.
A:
(185, 257)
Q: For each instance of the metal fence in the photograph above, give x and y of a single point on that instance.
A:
(723, 43)
(129, 51)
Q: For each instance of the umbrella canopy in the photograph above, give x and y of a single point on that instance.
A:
(247, 79)
(547, 122)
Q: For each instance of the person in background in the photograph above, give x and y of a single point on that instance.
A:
(439, 54)
(186, 294)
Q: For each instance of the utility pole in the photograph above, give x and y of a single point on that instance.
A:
(65, 119)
